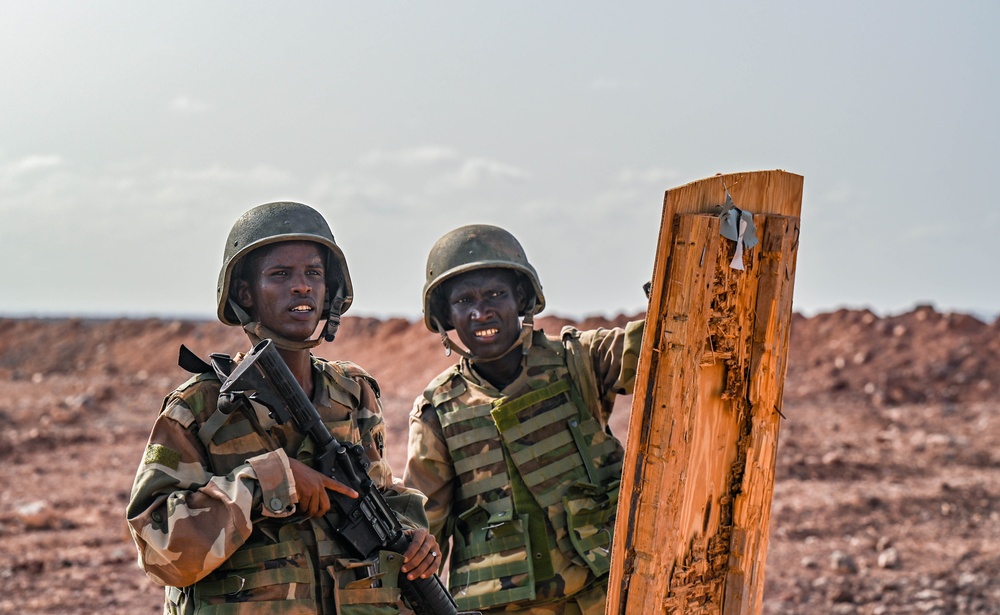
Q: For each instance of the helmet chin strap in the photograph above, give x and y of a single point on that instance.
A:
(333, 310)
(258, 332)
(523, 340)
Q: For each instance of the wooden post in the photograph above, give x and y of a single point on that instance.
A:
(693, 516)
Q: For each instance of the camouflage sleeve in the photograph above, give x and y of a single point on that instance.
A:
(615, 354)
(184, 520)
(407, 503)
(429, 467)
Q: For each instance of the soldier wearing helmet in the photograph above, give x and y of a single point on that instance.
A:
(511, 444)
(225, 510)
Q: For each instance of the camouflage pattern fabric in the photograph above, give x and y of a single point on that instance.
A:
(473, 479)
(216, 525)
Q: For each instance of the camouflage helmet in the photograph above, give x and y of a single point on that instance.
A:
(274, 223)
(472, 247)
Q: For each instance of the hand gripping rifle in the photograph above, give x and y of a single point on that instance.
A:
(367, 523)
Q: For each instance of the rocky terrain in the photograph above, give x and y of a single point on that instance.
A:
(887, 498)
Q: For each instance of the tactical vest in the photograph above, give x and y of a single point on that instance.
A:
(273, 571)
(543, 437)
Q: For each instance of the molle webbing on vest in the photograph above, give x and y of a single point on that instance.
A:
(473, 440)
(505, 409)
(588, 462)
(357, 590)
(477, 461)
(279, 576)
(235, 583)
(493, 565)
(537, 451)
(547, 461)
(525, 507)
(253, 555)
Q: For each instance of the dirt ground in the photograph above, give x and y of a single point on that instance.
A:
(887, 498)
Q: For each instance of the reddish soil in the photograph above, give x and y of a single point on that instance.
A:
(887, 498)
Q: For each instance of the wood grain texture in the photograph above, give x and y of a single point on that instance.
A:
(691, 535)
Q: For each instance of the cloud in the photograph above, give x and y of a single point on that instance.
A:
(408, 157)
(30, 163)
(449, 169)
(475, 171)
(262, 175)
(188, 106)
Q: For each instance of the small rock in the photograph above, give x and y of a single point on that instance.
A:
(889, 559)
(841, 595)
(83, 400)
(843, 563)
(967, 579)
(830, 458)
(939, 439)
(36, 515)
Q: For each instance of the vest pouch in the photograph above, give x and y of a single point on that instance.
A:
(490, 564)
(277, 576)
(590, 519)
(367, 586)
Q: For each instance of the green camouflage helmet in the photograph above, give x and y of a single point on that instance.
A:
(273, 223)
(467, 248)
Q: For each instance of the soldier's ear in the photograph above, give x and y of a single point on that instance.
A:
(243, 295)
(521, 293)
(440, 307)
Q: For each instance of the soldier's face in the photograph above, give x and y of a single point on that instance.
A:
(483, 306)
(287, 288)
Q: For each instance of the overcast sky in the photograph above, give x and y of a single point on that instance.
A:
(133, 134)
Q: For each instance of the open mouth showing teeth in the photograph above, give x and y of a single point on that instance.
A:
(487, 332)
(302, 308)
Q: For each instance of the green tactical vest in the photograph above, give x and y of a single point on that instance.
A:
(541, 436)
(277, 553)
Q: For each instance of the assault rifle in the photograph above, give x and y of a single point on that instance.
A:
(367, 524)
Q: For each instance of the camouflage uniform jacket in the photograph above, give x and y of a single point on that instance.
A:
(215, 522)
(525, 480)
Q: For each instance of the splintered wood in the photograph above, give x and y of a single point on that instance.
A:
(693, 516)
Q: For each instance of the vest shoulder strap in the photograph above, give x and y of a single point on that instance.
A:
(442, 388)
(219, 368)
(581, 368)
(349, 369)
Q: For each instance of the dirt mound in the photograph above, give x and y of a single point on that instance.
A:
(922, 356)
(886, 498)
